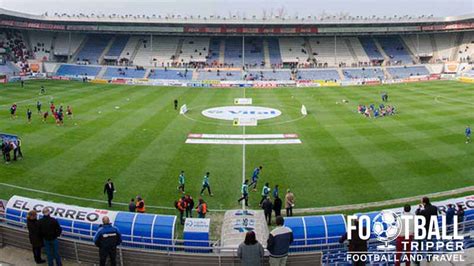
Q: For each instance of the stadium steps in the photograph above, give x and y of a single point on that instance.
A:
(195, 75)
(222, 51)
(135, 52)
(457, 44)
(410, 52)
(107, 48)
(309, 49)
(266, 53)
(78, 50)
(351, 50)
(177, 53)
(387, 74)
(101, 72)
(147, 72)
(341, 75)
(26, 41)
(382, 51)
(434, 46)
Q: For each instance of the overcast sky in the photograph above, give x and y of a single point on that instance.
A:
(245, 7)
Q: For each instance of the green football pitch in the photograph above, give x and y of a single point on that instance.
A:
(133, 135)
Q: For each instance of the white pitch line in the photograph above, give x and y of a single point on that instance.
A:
(243, 158)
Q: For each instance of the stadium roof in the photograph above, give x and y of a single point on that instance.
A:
(234, 20)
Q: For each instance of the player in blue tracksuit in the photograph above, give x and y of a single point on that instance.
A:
(255, 174)
(107, 238)
(205, 184)
(245, 193)
(468, 134)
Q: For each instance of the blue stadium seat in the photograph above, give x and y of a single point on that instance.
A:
(77, 70)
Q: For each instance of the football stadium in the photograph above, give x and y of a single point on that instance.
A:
(236, 140)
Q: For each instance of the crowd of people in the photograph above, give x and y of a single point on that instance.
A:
(376, 111)
(9, 145)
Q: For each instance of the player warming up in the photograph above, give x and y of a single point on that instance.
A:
(28, 115)
(468, 134)
(205, 184)
(176, 104)
(255, 174)
(181, 180)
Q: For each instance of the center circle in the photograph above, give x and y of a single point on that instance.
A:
(241, 112)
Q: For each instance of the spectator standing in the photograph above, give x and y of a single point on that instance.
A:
(181, 206)
(430, 212)
(50, 230)
(189, 206)
(402, 242)
(140, 205)
(110, 190)
(201, 208)
(132, 207)
(278, 243)
(34, 235)
(289, 203)
(277, 203)
(276, 192)
(267, 207)
(250, 252)
(107, 239)
(356, 244)
(450, 212)
(460, 214)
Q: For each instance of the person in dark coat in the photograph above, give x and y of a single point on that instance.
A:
(34, 234)
(267, 207)
(107, 239)
(189, 206)
(277, 203)
(110, 190)
(356, 244)
(132, 207)
(430, 212)
(50, 230)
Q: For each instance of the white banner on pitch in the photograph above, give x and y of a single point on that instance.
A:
(303, 110)
(245, 122)
(243, 101)
(183, 109)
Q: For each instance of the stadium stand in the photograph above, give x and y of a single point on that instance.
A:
(144, 53)
(274, 52)
(406, 72)
(63, 47)
(93, 49)
(466, 50)
(212, 58)
(194, 49)
(323, 74)
(294, 50)
(419, 44)
(395, 50)
(117, 47)
(129, 50)
(233, 52)
(219, 75)
(78, 70)
(124, 72)
(363, 73)
(370, 48)
(8, 69)
(41, 44)
(164, 50)
(268, 75)
(254, 52)
(329, 51)
(445, 43)
(173, 74)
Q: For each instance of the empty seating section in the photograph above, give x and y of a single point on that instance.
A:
(445, 45)
(331, 52)
(222, 75)
(62, 45)
(174, 74)
(41, 43)
(406, 72)
(144, 53)
(269, 75)
(7, 69)
(395, 50)
(421, 45)
(323, 74)
(124, 72)
(254, 52)
(274, 51)
(164, 50)
(214, 49)
(358, 50)
(370, 48)
(93, 48)
(76, 70)
(130, 48)
(117, 47)
(466, 50)
(363, 73)
(194, 49)
(233, 52)
(293, 50)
